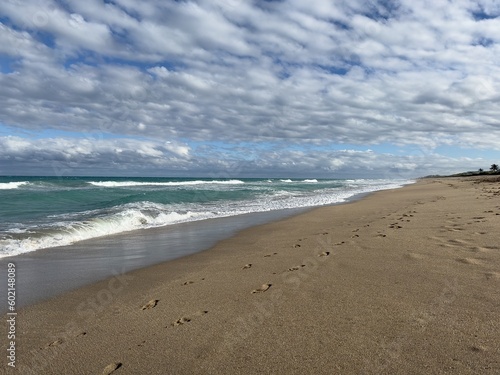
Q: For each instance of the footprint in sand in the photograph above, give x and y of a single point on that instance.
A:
(479, 219)
(181, 321)
(478, 348)
(296, 268)
(262, 289)
(453, 228)
(270, 255)
(247, 266)
(483, 249)
(188, 282)
(324, 254)
(489, 248)
(112, 367)
(151, 304)
(458, 242)
(60, 341)
(395, 226)
(186, 319)
(469, 261)
(53, 343)
(492, 275)
(296, 245)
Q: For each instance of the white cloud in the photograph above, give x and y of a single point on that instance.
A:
(60, 156)
(178, 149)
(312, 73)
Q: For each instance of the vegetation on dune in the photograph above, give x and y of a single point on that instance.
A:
(494, 170)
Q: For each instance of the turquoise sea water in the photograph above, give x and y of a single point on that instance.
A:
(43, 212)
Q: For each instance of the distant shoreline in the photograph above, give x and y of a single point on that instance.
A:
(465, 174)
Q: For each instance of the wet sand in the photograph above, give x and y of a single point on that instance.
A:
(404, 281)
(46, 273)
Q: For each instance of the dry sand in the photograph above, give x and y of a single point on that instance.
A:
(405, 281)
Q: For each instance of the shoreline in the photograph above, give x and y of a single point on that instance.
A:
(47, 273)
(50, 272)
(123, 207)
(401, 281)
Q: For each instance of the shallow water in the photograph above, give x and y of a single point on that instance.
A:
(43, 212)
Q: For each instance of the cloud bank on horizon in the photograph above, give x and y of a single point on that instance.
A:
(249, 87)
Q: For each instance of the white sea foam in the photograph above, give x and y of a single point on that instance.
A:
(281, 193)
(311, 180)
(169, 183)
(141, 215)
(17, 230)
(287, 180)
(12, 185)
(128, 219)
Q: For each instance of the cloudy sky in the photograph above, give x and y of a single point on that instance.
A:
(225, 88)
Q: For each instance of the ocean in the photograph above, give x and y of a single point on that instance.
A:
(44, 212)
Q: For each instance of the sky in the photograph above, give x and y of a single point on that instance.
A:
(249, 88)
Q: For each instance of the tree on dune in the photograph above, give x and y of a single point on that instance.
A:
(494, 168)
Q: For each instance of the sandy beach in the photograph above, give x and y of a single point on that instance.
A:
(403, 281)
